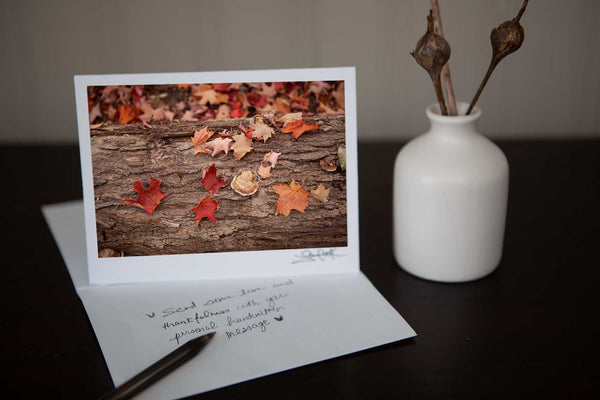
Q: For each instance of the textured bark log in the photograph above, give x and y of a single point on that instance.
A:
(122, 154)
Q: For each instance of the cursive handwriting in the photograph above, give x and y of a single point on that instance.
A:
(201, 329)
(319, 255)
(261, 325)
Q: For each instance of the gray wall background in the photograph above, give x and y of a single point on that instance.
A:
(549, 88)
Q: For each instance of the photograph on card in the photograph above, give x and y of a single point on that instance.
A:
(218, 167)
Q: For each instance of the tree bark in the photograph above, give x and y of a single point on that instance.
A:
(123, 154)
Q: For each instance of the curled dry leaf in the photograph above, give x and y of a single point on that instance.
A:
(147, 199)
(218, 145)
(271, 157)
(291, 197)
(264, 172)
(242, 145)
(206, 209)
(211, 181)
(245, 183)
(321, 193)
(329, 163)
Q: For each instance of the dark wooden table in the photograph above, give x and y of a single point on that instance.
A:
(529, 329)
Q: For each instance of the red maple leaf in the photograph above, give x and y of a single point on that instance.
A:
(221, 87)
(147, 199)
(298, 127)
(211, 181)
(257, 100)
(206, 208)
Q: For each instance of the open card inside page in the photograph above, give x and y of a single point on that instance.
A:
(219, 175)
(263, 325)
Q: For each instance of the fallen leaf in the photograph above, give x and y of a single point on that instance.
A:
(317, 87)
(256, 100)
(95, 112)
(261, 131)
(128, 113)
(188, 116)
(221, 87)
(297, 128)
(206, 96)
(268, 90)
(282, 105)
(241, 146)
(299, 102)
(211, 181)
(264, 172)
(218, 145)
(169, 115)
(341, 153)
(323, 107)
(321, 193)
(291, 197)
(338, 95)
(96, 126)
(200, 137)
(206, 208)
(271, 157)
(291, 117)
(147, 199)
(223, 112)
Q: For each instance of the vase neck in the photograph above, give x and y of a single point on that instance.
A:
(459, 125)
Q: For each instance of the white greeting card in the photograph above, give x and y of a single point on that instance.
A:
(220, 202)
(219, 174)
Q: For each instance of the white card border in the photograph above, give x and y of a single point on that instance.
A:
(227, 264)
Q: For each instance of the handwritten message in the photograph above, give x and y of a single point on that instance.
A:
(247, 311)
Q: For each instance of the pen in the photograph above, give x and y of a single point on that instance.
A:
(159, 369)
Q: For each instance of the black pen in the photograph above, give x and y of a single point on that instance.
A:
(159, 369)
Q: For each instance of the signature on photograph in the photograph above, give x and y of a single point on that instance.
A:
(318, 255)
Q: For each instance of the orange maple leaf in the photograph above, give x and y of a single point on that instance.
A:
(298, 127)
(147, 199)
(127, 113)
(200, 137)
(291, 197)
(241, 146)
(211, 181)
(206, 208)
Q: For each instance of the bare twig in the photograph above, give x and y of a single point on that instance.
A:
(449, 88)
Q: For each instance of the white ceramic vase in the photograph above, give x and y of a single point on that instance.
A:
(450, 197)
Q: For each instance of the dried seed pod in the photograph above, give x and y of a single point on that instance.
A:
(245, 183)
(506, 38)
(432, 53)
